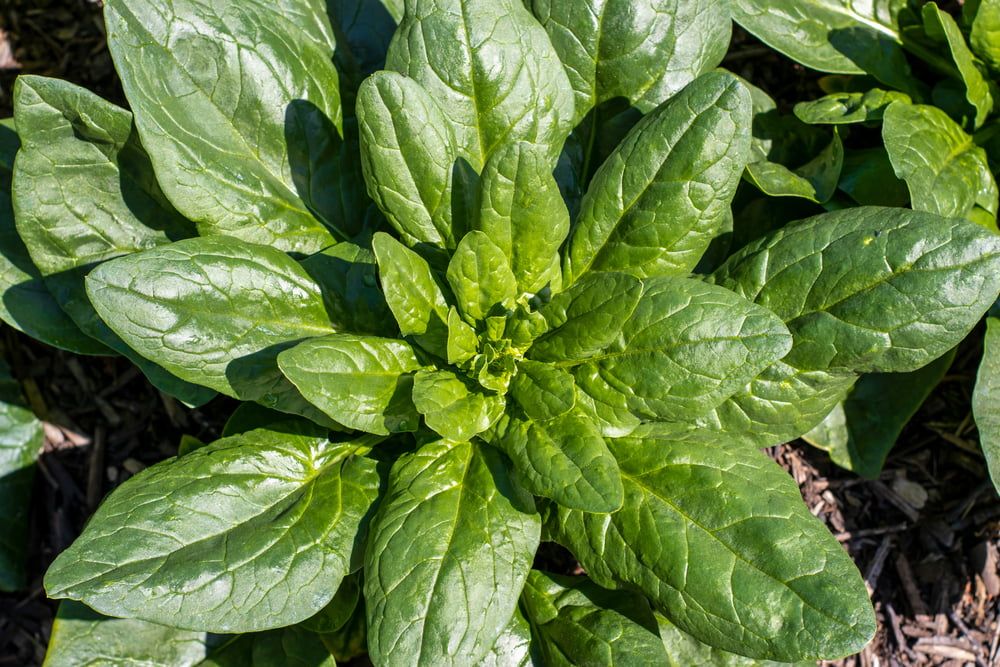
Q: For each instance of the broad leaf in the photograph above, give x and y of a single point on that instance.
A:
(847, 108)
(449, 550)
(452, 407)
(361, 382)
(984, 37)
(73, 145)
(21, 440)
(870, 289)
(869, 179)
(513, 647)
(683, 650)
(25, 302)
(452, 49)
(655, 205)
(943, 29)
(462, 340)
(481, 278)
(249, 533)
(408, 158)
(946, 172)
(523, 213)
(578, 623)
(348, 276)
(673, 537)
(985, 404)
(215, 311)
(544, 391)
(242, 123)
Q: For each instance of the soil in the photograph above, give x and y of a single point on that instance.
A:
(925, 534)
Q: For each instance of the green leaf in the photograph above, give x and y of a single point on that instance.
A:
(413, 294)
(564, 459)
(451, 407)
(861, 431)
(848, 107)
(25, 302)
(81, 636)
(408, 158)
(673, 538)
(339, 611)
(452, 50)
(522, 211)
(544, 391)
(655, 205)
(587, 317)
(21, 439)
(75, 145)
(984, 37)
(815, 180)
(449, 550)
(946, 172)
(870, 289)
(985, 406)
(686, 348)
(481, 278)
(579, 623)
(683, 650)
(249, 533)
(241, 123)
(513, 646)
(943, 29)
(644, 51)
(289, 647)
(361, 382)
(215, 311)
(838, 36)
(869, 179)
(463, 344)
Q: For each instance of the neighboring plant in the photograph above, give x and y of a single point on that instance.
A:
(938, 151)
(503, 341)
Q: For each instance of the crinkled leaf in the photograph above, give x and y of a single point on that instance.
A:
(215, 311)
(448, 553)
(480, 277)
(985, 403)
(522, 212)
(513, 647)
(413, 294)
(453, 408)
(544, 391)
(453, 50)
(870, 289)
(361, 382)
(848, 107)
(946, 172)
(943, 29)
(246, 146)
(408, 158)
(683, 650)
(673, 537)
(655, 205)
(249, 533)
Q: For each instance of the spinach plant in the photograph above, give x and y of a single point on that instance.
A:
(467, 263)
(926, 78)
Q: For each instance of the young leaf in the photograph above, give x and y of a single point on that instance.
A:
(564, 459)
(361, 382)
(21, 439)
(685, 349)
(673, 537)
(214, 311)
(655, 205)
(870, 289)
(523, 213)
(238, 119)
(413, 294)
(249, 533)
(462, 340)
(451, 407)
(480, 277)
(578, 623)
(984, 399)
(984, 37)
(408, 158)
(946, 172)
(448, 553)
(848, 107)
(644, 51)
(816, 180)
(76, 144)
(941, 27)
(452, 49)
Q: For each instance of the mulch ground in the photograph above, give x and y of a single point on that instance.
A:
(925, 535)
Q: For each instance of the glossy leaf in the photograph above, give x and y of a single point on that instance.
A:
(943, 29)
(984, 399)
(683, 650)
(673, 537)
(214, 311)
(449, 550)
(513, 647)
(252, 123)
(655, 205)
(249, 533)
(984, 36)
(480, 277)
(946, 172)
(452, 49)
(453, 408)
(870, 289)
(361, 382)
(847, 108)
